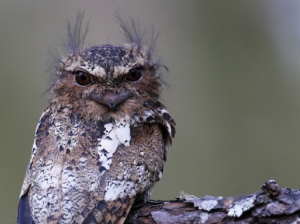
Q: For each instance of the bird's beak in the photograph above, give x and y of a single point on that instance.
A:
(111, 99)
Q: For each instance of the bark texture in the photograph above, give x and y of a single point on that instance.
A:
(271, 204)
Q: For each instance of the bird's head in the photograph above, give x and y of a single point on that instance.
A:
(108, 81)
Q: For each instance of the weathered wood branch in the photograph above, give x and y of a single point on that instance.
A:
(271, 204)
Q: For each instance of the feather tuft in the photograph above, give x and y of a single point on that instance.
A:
(135, 35)
(77, 34)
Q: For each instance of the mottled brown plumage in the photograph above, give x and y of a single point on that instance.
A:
(101, 144)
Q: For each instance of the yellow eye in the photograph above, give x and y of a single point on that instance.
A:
(82, 78)
(134, 75)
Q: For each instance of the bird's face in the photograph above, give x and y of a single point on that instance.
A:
(107, 81)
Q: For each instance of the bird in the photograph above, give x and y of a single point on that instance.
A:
(101, 144)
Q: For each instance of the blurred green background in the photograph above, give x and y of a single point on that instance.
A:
(234, 87)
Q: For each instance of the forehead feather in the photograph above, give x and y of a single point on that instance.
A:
(104, 59)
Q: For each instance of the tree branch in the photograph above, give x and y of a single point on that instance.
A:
(269, 205)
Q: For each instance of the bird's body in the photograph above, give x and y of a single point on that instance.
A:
(102, 142)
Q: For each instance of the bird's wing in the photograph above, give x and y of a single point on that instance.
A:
(66, 183)
(155, 112)
(132, 172)
(63, 176)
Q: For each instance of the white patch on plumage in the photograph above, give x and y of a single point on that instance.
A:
(160, 175)
(162, 111)
(140, 61)
(119, 189)
(72, 66)
(97, 71)
(115, 134)
(169, 128)
(147, 113)
(123, 132)
(48, 176)
(120, 70)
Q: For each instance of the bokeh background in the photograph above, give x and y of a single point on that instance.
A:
(234, 87)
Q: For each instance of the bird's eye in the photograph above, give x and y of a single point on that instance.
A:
(82, 78)
(134, 75)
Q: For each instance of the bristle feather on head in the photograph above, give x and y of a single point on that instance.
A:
(77, 34)
(135, 35)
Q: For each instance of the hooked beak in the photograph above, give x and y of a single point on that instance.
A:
(110, 99)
